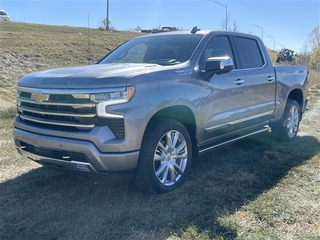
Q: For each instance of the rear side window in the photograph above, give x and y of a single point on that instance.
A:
(250, 53)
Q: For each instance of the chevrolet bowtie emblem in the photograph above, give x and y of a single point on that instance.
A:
(39, 97)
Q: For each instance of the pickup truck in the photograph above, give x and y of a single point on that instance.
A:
(155, 103)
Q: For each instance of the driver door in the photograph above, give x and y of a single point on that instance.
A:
(223, 96)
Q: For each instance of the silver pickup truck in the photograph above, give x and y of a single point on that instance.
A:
(156, 102)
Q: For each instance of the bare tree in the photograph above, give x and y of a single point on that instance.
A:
(103, 23)
(222, 25)
(304, 56)
(312, 46)
(314, 38)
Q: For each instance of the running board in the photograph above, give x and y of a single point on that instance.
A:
(233, 140)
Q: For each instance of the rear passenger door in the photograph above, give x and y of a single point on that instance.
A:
(259, 77)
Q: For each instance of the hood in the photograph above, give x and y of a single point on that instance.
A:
(93, 76)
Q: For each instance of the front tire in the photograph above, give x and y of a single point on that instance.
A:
(165, 157)
(287, 128)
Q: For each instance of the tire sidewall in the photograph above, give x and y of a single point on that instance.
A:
(153, 138)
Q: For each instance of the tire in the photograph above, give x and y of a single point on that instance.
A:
(287, 128)
(165, 157)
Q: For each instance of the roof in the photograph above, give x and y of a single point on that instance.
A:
(202, 32)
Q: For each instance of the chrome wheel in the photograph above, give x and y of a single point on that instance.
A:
(292, 121)
(286, 129)
(165, 157)
(170, 158)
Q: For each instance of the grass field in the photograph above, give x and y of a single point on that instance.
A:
(251, 189)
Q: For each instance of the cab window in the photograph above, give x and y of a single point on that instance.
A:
(250, 53)
(217, 47)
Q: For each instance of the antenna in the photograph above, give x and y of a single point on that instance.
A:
(107, 18)
(89, 55)
(195, 29)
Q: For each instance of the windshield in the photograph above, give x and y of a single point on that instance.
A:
(163, 50)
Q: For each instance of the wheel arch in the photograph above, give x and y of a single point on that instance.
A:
(297, 95)
(185, 116)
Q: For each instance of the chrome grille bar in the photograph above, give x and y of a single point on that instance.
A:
(58, 123)
(74, 105)
(88, 115)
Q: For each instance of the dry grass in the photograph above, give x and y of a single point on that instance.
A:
(253, 189)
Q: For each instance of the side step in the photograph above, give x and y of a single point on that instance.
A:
(233, 140)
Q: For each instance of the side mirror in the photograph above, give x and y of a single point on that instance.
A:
(217, 65)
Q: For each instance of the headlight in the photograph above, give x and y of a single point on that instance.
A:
(111, 98)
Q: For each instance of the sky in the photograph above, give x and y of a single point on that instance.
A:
(280, 23)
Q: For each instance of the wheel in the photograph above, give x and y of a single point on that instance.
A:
(165, 157)
(287, 128)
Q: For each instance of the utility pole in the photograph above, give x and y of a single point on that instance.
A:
(261, 29)
(107, 19)
(274, 42)
(282, 46)
(226, 7)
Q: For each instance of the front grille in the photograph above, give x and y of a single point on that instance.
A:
(63, 111)
(55, 154)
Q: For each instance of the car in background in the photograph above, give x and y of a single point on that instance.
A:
(4, 16)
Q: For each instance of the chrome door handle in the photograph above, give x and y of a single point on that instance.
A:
(270, 79)
(239, 81)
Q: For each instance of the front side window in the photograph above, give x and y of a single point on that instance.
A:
(217, 47)
(158, 49)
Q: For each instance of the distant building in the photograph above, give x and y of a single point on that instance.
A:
(163, 29)
(169, 29)
(137, 29)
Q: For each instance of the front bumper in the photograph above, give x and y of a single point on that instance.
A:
(75, 155)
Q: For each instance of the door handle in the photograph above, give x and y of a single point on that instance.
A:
(270, 79)
(239, 81)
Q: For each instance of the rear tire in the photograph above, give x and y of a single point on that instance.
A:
(165, 157)
(288, 126)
